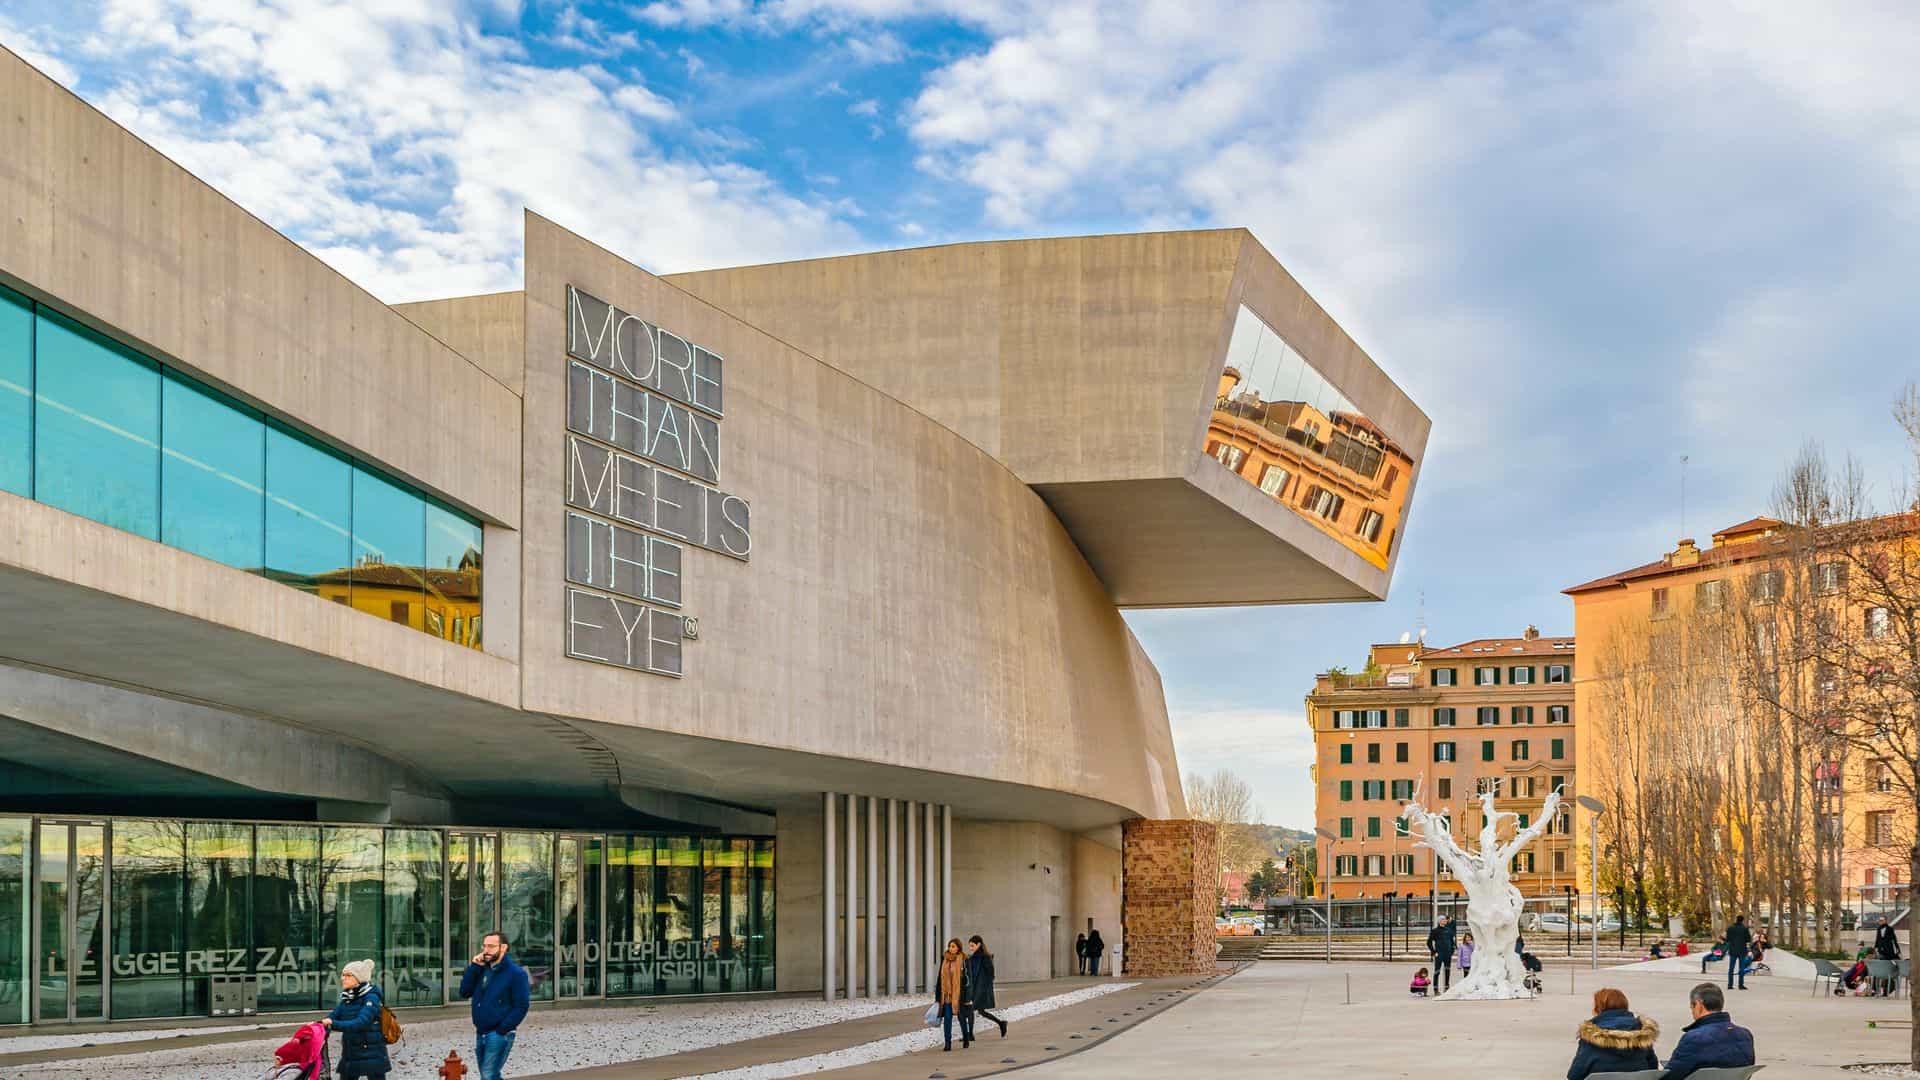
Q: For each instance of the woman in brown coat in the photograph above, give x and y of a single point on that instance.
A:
(950, 990)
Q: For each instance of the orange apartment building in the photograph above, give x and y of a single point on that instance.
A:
(1446, 723)
(1742, 566)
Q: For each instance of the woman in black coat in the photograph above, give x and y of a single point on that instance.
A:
(1615, 1040)
(979, 990)
(363, 1048)
(1080, 954)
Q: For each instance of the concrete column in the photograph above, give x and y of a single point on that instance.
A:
(894, 985)
(946, 873)
(929, 929)
(873, 897)
(829, 918)
(852, 940)
(910, 925)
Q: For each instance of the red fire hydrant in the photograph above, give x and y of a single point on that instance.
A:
(453, 1068)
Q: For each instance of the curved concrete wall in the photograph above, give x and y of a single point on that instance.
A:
(909, 603)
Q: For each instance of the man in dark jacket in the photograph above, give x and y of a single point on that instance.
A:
(1440, 944)
(1713, 1040)
(1886, 946)
(499, 990)
(1739, 951)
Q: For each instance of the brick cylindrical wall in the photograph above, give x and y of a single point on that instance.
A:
(1167, 897)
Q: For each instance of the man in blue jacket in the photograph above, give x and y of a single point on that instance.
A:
(1713, 1040)
(499, 990)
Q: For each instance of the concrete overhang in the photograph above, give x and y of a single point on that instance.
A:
(224, 712)
(1103, 370)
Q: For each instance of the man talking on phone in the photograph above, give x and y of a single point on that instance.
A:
(498, 988)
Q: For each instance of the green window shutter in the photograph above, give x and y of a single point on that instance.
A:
(1346, 828)
(1486, 750)
(1373, 827)
(1346, 753)
(1523, 821)
(1346, 791)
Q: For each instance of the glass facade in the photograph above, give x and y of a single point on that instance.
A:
(142, 918)
(97, 429)
(1283, 427)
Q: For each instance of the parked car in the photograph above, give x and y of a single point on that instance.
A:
(1552, 922)
(1250, 923)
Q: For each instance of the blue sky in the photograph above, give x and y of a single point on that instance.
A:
(1587, 239)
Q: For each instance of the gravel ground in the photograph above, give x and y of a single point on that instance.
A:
(27, 1044)
(923, 1039)
(549, 1041)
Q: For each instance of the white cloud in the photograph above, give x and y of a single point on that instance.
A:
(29, 49)
(865, 107)
(400, 143)
(1268, 748)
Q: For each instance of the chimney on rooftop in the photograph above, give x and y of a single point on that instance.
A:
(1530, 633)
(1687, 554)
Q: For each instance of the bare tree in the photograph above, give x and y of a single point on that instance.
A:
(1227, 801)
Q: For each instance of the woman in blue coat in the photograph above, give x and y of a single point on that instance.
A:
(363, 1047)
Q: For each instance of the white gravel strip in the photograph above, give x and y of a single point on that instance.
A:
(27, 1044)
(551, 1040)
(923, 1039)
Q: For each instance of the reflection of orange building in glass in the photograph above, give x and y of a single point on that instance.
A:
(1334, 468)
(444, 603)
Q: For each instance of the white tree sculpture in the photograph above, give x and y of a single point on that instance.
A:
(1493, 904)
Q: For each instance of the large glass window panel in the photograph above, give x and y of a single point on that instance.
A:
(16, 927)
(213, 473)
(389, 549)
(1276, 417)
(592, 873)
(736, 914)
(351, 901)
(760, 953)
(568, 925)
(55, 953)
(309, 515)
(286, 917)
(96, 427)
(411, 974)
(459, 913)
(630, 913)
(149, 957)
(678, 916)
(452, 577)
(16, 401)
(219, 877)
(526, 905)
(89, 922)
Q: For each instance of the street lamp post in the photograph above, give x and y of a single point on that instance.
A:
(1595, 808)
(1573, 915)
(1326, 882)
(1386, 926)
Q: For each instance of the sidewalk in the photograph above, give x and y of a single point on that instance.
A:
(1050, 1035)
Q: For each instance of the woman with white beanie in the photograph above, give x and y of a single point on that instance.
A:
(363, 1049)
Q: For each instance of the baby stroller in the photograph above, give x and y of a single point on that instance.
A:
(303, 1057)
(1534, 970)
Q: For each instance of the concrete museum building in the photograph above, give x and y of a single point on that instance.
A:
(746, 630)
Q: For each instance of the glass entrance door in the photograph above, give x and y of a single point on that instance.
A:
(473, 899)
(578, 884)
(70, 930)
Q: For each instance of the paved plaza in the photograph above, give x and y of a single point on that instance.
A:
(1292, 1018)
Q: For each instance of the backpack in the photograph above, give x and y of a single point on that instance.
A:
(389, 1025)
